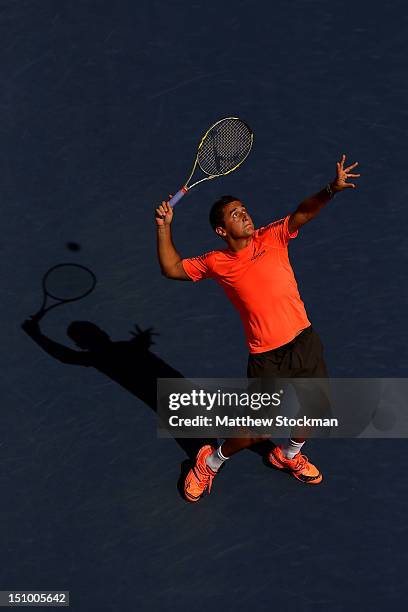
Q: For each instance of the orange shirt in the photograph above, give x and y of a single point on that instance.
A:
(259, 281)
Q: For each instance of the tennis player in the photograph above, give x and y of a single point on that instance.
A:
(255, 272)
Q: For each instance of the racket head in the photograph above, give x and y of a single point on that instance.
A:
(225, 146)
(68, 282)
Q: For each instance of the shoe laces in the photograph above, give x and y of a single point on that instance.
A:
(210, 480)
(207, 475)
(300, 461)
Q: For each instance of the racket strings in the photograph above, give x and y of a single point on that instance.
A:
(69, 282)
(224, 147)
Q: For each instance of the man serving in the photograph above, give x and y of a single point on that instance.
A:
(255, 272)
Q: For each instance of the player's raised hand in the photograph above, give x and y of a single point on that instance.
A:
(164, 213)
(143, 338)
(343, 174)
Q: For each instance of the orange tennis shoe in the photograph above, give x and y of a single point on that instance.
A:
(299, 466)
(200, 477)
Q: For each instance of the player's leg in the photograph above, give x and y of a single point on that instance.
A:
(210, 459)
(307, 361)
(304, 353)
(208, 462)
(230, 447)
(200, 477)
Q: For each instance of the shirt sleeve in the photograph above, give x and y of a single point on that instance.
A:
(277, 233)
(198, 268)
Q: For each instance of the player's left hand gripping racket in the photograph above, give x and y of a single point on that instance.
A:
(222, 149)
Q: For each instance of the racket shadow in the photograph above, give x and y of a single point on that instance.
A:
(130, 363)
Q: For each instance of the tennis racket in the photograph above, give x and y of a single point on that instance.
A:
(222, 149)
(65, 283)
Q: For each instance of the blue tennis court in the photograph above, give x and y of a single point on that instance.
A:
(102, 107)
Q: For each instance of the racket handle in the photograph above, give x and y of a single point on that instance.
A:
(39, 315)
(178, 196)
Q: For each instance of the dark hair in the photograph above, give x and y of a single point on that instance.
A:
(217, 210)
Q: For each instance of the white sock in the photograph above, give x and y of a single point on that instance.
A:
(215, 460)
(291, 448)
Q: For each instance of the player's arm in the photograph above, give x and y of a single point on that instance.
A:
(169, 258)
(309, 208)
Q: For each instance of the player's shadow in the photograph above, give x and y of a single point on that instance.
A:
(130, 363)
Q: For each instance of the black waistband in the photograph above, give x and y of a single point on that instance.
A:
(303, 333)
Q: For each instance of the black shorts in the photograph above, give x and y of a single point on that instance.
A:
(301, 357)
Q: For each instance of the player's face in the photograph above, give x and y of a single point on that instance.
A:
(237, 221)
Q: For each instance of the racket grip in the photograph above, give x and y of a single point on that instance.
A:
(178, 196)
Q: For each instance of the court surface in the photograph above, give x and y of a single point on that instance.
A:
(102, 104)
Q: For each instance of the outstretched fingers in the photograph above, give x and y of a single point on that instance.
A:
(351, 167)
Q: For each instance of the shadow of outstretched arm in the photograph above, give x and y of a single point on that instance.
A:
(55, 349)
(130, 363)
